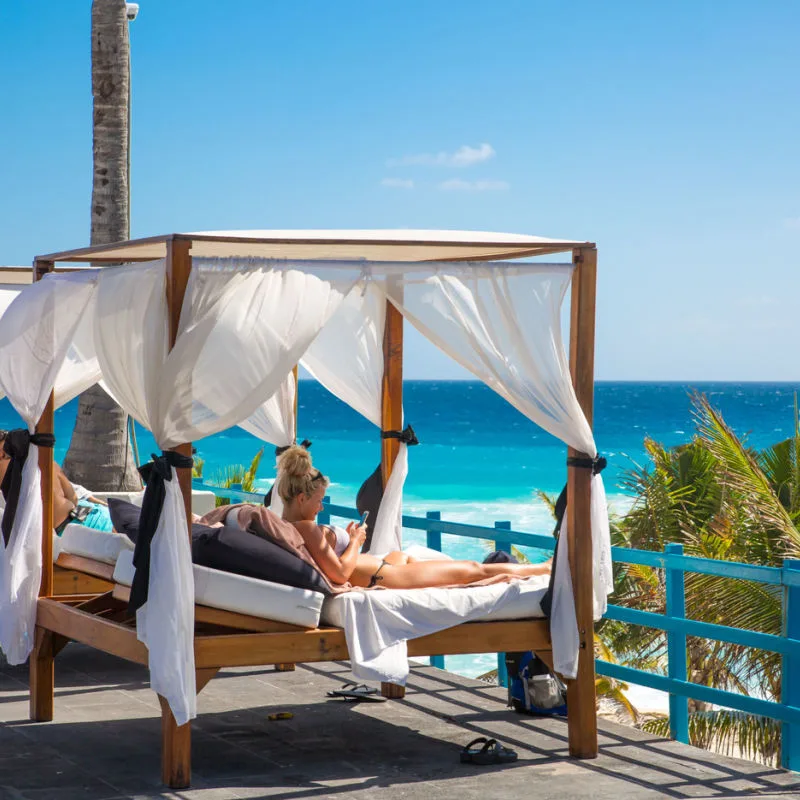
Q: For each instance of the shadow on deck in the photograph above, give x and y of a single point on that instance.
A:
(105, 743)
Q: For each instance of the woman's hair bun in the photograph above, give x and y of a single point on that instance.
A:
(296, 461)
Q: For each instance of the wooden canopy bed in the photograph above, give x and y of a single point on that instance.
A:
(227, 639)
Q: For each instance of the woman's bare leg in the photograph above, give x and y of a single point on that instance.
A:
(422, 574)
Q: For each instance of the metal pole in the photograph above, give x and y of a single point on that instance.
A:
(434, 542)
(676, 648)
(790, 668)
(502, 671)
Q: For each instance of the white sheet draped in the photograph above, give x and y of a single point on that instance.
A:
(378, 625)
(35, 333)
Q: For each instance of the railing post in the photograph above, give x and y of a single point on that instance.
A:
(502, 672)
(324, 516)
(434, 537)
(676, 647)
(790, 668)
(504, 546)
(434, 541)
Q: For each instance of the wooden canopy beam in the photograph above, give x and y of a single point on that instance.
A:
(582, 718)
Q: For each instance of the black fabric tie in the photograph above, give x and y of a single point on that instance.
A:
(154, 474)
(406, 436)
(279, 451)
(596, 465)
(16, 445)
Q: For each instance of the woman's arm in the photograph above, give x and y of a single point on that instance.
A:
(337, 569)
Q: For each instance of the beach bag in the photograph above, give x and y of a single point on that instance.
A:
(532, 688)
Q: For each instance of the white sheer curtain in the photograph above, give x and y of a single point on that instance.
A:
(347, 359)
(79, 370)
(347, 356)
(244, 325)
(502, 323)
(274, 422)
(35, 333)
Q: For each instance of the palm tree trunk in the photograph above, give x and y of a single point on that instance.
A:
(99, 456)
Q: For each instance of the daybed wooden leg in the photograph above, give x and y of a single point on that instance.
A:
(284, 667)
(42, 676)
(393, 691)
(176, 749)
(203, 676)
(582, 713)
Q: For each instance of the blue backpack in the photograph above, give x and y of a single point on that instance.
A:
(532, 688)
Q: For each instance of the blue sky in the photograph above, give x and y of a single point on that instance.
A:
(665, 132)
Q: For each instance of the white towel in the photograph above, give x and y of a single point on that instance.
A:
(378, 623)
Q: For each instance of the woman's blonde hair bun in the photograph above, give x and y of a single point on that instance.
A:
(296, 475)
(296, 461)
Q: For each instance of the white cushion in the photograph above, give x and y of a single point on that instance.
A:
(243, 595)
(78, 540)
(202, 501)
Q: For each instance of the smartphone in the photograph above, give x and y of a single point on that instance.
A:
(364, 518)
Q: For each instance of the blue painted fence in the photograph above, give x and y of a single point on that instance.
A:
(674, 622)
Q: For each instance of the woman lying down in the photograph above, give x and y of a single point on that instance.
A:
(336, 552)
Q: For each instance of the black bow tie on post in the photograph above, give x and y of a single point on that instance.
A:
(17, 444)
(154, 474)
(406, 436)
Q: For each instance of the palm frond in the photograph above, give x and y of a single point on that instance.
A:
(743, 475)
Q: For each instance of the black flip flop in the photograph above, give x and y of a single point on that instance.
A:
(492, 752)
(357, 691)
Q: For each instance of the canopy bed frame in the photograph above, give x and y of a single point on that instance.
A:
(225, 639)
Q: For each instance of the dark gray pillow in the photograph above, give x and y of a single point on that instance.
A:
(231, 549)
(124, 517)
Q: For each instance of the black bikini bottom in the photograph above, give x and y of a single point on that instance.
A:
(373, 581)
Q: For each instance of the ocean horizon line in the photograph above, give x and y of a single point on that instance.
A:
(629, 381)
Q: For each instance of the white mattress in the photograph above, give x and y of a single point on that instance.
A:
(244, 595)
(78, 540)
(524, 606)
(202, 501)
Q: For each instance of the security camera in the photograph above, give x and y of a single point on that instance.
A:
(131, 11)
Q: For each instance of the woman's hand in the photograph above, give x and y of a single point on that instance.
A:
(358, 533)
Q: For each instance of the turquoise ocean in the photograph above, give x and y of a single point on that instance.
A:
(479, 460)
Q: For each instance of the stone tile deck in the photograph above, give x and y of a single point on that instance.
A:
(105, 743)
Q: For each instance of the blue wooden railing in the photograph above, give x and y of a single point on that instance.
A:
(673, 622)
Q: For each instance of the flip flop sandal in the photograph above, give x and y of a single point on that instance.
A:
(492, 752)
(357, 691)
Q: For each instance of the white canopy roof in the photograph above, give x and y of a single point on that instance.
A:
(15, 276)
(369, 245)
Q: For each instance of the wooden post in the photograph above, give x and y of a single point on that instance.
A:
(582, 716)
(392, 388)
(179, 265)
(176, 749)
(41, 667)
(391, 416)
(296, 398)
(176, 741)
